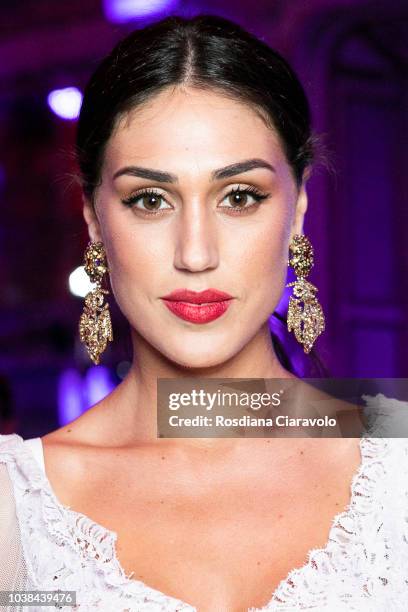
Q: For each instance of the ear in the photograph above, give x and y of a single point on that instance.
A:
(301, 207)
(92, 221)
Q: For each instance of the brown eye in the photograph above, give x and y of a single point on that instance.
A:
(238, 198)
(146, 201)
(151, 201)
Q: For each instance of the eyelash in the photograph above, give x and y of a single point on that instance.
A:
(257, 195)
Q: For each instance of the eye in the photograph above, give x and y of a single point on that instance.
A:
(238, 199)
(150, 201)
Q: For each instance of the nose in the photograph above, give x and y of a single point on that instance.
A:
(196, 247)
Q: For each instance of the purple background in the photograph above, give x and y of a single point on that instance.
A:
(351, 59)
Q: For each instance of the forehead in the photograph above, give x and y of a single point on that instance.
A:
(182, 124)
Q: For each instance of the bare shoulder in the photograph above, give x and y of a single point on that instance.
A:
(88, 429)
(70, 450)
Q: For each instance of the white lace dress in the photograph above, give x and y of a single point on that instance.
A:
(47, 546)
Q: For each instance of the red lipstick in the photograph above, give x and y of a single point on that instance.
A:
(198, 306)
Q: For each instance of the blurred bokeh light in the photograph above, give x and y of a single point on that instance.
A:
(120, 11)
(66, 102)
(79, 283)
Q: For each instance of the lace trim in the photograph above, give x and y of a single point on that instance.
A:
(335, 557)
(76, 533)
(96, 544)
(385, 417)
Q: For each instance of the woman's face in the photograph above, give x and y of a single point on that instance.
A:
(187, 232)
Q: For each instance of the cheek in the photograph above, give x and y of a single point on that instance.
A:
(133, 257)
(133, 266)
(265, 259)
(265, 272)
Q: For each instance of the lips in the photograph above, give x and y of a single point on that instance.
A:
(198, 307)
(197, 297)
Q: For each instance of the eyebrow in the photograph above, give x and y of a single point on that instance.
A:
(167, 177)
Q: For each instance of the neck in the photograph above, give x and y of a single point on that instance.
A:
(137, 394)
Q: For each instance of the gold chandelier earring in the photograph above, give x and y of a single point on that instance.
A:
(307, 322)
(95, 327)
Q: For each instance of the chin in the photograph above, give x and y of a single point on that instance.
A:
(198, 357)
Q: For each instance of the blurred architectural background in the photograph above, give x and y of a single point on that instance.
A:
(351, 56)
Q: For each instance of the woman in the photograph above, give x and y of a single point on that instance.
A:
(194, 145)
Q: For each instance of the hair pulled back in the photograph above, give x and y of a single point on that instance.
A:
(205, 51)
